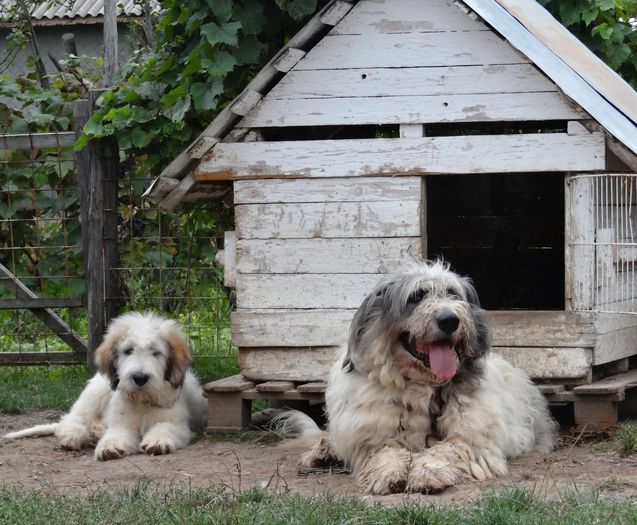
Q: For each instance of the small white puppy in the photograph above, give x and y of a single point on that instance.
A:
(144, 396)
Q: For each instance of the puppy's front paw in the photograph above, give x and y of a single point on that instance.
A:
(73, 436)
(112, 449)
(157, 446)
(389, 482)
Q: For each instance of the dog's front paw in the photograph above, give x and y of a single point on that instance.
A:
(112, 449)
(429, 476)
(320, 455)
(157, 446)
(390, 482)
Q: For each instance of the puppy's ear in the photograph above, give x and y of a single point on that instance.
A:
(179, 359)
(106, 354)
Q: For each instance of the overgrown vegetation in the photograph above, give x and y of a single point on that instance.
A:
(607, 27)
(627, 437)
(146, 504)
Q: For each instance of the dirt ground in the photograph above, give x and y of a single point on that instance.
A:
(243, 463)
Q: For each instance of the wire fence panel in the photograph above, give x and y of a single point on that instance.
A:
(167, 265)
(41, 265)
(165, 261)
(608, 250)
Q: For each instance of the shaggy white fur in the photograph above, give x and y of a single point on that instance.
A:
(144, 396)
(415, 402)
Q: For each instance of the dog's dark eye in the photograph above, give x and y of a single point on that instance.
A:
(156, 353)
(417, 296)
(452, 293)
(127, 351)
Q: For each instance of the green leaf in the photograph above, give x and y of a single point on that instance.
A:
(603, 30)
(590, 14)
(222, 9)
(297, 9)
(226, 34)
(250, 14)
(570, 13)
(605, 5)
(139, 138)
(173, 95)
(249, 51)
(177, 111)
(220, 64)
(203, 96)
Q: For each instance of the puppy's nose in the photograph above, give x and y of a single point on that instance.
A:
(140, 379)
(447, 322)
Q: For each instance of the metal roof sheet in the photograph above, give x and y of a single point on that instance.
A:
(69, 9)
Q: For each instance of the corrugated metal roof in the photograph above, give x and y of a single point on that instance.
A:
(68, 9)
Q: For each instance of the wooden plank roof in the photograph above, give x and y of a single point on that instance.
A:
(523, 23)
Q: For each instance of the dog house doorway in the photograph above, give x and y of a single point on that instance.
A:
(505, 231)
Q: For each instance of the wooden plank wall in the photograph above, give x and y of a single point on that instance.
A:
(408, 61)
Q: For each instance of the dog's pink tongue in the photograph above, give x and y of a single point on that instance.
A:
(442, 361)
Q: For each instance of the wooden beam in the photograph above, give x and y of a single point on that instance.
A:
(46, 315)
(41, 358)
(60, 139)
(430, 155)
(110, 42)
(42, 302)
(177, 194)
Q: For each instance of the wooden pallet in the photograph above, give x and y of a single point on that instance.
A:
(230, 399)
(595, 405)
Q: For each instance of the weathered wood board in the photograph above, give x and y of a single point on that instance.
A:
(412, 82)
(304, 291)
(434, 155)
(410, 50)
(411, 109)
(340, 256)
(328, 220)
(405, 16)
(313, 364)
(304, 328)
(356, 189)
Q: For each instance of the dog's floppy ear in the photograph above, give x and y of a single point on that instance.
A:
(470, 291)
(106, 354)
(366, 316)
(179, 359)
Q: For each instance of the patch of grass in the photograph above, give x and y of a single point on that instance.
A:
(145, 503)
(25, 389)
(627, 438)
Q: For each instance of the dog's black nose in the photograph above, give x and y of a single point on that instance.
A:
(140, 379)
(447, 322)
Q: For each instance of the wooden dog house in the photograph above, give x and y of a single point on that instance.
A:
(387, 131)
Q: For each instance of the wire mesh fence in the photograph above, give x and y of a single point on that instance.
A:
(166, 261)
(40, 247)
(167, 264)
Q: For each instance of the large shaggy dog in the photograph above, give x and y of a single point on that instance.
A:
(415, 401)
(144, 396)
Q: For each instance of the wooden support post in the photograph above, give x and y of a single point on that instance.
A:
(97, 180)
(228, 412)
(594, 413)
(110, 42)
